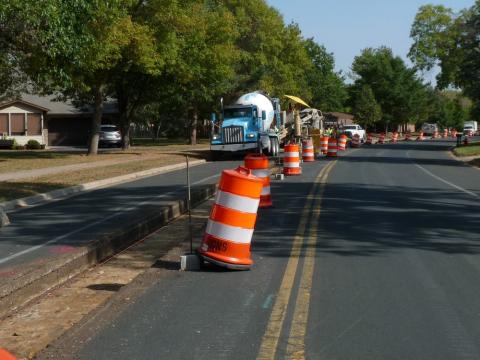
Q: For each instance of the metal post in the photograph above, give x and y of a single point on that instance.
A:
(189, 209)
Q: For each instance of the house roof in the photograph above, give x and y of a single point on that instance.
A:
(11, 102)
(67, 107)
(340, 115)
(54, 107)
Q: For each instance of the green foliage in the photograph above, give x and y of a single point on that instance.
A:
(451, 41)
(328, 89)
(166, 61)
(33, 145)
(401, 95)
(366, 109)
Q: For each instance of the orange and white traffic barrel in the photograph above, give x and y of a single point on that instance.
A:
(381, 139)
(435, 134)
(342, 142)
(395, 137)
(408, 136)
(332, 147)
(5, 355)
(355, 141)
(454, 133)
(259, 166)
(232, 220)
(420, 136)
(308, 154)
(324, 144)
(291, 160)
(369, 139)
(445, 133)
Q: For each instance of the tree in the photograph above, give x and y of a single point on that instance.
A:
(366, 109)
(327, 86)
(75, 49)
(399, 92)
(451, 41)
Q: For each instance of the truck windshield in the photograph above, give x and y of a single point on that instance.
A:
(237, 113)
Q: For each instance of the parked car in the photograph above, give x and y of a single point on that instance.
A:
(110, 136)
(351, 130)
(429, 129)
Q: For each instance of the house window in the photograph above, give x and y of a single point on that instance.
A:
(3, 124)
(18, 124)
(34, 124)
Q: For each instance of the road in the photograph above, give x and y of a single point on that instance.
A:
(40, 233)
(372, 256)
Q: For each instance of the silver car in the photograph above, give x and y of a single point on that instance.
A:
(110, 136)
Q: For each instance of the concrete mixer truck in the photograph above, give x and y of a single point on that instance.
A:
(252, 123)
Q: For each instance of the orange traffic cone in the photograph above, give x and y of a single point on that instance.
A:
(258, 164)
(291, 160)
(231, 223)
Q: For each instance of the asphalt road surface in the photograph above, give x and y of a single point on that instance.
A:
(39, 233)
(373, 256)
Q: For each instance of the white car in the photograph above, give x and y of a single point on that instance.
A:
(351, 130)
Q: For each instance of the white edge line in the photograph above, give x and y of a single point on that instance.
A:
(443, 180)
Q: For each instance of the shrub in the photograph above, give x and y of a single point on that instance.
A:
(14, 144)
(33, 145)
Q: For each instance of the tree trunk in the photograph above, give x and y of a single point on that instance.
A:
(193, 127)
(96, 121)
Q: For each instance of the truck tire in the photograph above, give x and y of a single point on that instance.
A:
(275, 146)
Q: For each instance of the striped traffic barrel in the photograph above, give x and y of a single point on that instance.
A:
(420, 136)
(395, 137)
(291, 160)
(445, 133)
(381, 138)
(408, 136)
(369, 139)
(307, 150)
(342, 142)
(232, 220)
(355, 141)
(324, 144)
(332, 147)
(453, 133)
(259, 166)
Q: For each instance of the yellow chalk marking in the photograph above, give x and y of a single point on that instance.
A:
(268, 347)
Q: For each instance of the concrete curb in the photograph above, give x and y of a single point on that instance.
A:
(39, 278)
(60, 194)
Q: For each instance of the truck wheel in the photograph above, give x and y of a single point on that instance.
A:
(275, 146)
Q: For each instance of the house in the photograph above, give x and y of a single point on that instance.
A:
(50, 122)
(338, 119)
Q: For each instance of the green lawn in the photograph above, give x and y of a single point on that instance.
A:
(469, 150)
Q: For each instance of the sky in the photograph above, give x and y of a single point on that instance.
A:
(346, 27)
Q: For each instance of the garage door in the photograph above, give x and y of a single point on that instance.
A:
(68, 131)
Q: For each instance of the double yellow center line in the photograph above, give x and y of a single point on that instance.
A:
(296, 339)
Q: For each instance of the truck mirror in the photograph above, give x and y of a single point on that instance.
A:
(213, 117)
(264, 115)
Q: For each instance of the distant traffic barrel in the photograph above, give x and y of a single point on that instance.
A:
(369, 139)
(324, 144)
(259, 165)
(381, 139)
(342, 142)
(291, 160)
(229, 231)
(307, 150)
(355, 141)
(332, 147)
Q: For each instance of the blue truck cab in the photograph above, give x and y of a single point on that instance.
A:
(246, 128)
